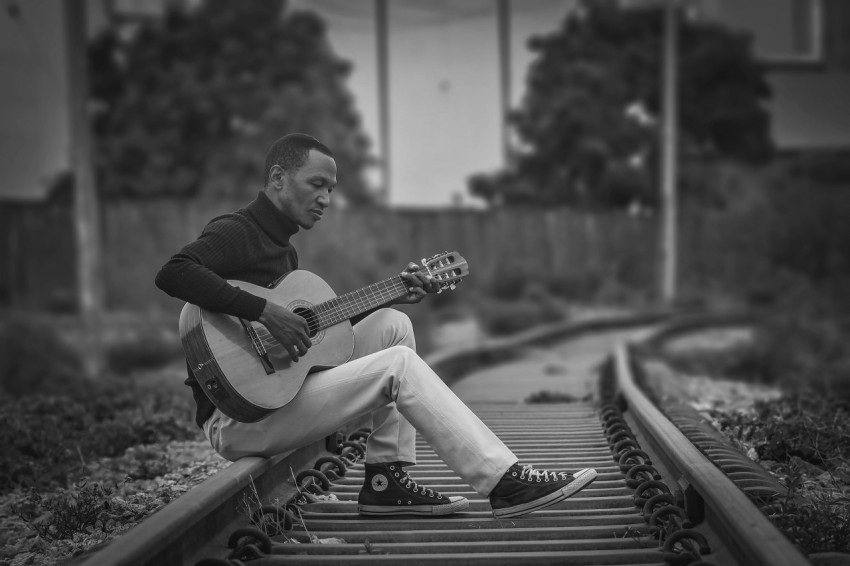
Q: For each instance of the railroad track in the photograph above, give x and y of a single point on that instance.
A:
(668, 491)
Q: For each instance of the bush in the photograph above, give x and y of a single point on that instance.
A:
(803, 287)
(809, 232)
(143, 352)
(805, 353)
(799, 352)
(34, 359)
(508, 286)
(48, 440)
(534, 307)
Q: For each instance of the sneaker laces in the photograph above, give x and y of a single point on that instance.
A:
(410, 484)
(541, 475)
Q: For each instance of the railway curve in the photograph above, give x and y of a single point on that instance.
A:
(668, 491)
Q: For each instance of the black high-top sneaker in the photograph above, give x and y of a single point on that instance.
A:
(523, 489)
(388, 490)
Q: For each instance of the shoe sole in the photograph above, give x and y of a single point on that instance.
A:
(583, 478)
(459, 504)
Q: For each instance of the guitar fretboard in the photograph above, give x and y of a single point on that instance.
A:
(356, 302)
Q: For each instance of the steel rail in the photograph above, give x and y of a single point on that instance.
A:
(727, 508)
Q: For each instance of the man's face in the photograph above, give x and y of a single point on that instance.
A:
(306, 193)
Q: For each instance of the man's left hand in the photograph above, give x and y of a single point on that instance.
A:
(419, 283)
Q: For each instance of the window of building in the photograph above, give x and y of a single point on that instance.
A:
(784, 31)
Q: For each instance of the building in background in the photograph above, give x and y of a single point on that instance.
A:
(446, 61)
(34, 124)
(806, 45)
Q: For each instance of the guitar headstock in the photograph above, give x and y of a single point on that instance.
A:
(447, 268)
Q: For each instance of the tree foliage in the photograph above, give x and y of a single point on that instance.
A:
(588, 123)
(188, 104)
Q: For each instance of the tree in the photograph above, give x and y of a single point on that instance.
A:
(588, 122)
(188, 104)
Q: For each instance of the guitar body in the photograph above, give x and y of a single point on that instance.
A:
(225, 362)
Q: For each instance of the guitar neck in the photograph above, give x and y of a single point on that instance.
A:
(357, 302)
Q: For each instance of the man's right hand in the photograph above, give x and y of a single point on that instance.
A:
(287, 328)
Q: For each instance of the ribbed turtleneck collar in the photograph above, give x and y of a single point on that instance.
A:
(271, 220)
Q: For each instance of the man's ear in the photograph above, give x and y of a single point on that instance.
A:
(277, 176)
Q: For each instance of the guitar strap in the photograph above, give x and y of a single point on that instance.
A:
(277, 281)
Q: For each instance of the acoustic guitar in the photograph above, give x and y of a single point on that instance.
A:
(246, 373)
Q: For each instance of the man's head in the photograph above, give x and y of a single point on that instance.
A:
(300, 175)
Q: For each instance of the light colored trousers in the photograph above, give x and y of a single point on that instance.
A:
(386, 378)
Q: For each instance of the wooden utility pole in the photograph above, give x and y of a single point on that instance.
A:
(86, 213)
(669, 140)
(383, 59)
(504, 24)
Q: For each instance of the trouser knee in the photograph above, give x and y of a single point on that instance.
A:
(397, 329)
(408, 366)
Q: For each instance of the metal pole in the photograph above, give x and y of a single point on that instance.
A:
(382, 33)
(504, 23)
(669, 155)
(86, 213)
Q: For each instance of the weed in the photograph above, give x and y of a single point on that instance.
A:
(813, 429)
(302, 495)
(546, 396)
(637, 535)
(61, 517)
(369, 548)
(149, 463)
(271, 524)
(806, 441)
(815, 517)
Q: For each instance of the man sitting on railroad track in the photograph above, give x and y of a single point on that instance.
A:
(384, 377)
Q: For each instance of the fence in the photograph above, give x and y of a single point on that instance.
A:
(350, 248)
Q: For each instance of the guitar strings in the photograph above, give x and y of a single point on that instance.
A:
(344, 307)
(348, 305)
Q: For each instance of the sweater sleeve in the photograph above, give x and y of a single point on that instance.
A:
(195, 273)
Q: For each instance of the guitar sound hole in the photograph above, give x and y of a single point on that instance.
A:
(311, 318)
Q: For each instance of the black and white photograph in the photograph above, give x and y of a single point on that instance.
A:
(425, 282)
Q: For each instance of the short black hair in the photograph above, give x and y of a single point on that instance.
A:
(291, 151)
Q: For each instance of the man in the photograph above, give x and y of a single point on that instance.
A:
(384, 377)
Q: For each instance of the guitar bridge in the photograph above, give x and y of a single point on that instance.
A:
(258, 347)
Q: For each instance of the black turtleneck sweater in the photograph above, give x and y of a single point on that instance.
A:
(252, 245)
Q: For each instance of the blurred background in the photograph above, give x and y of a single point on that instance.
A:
(585, 157)
(608, 154)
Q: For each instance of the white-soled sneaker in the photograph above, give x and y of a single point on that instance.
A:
(388, 490)
(523, 489)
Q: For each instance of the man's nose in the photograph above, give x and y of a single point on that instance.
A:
(324, 199)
